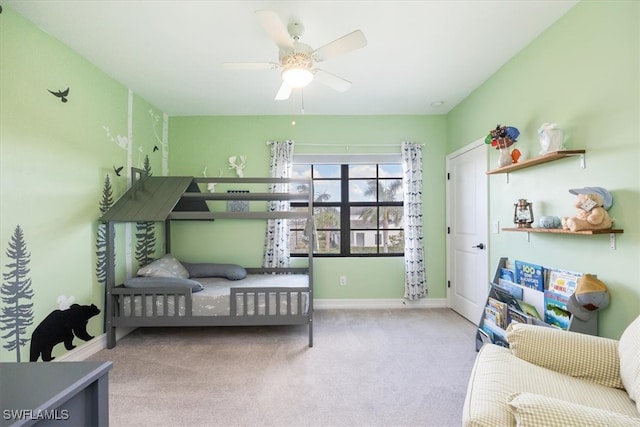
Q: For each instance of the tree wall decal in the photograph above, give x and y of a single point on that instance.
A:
(16, 314)
(101, 241)
(145, 232)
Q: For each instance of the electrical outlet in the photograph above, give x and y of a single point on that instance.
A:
(342, 280)
(495, 227)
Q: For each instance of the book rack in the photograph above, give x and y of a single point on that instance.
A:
(516, 302)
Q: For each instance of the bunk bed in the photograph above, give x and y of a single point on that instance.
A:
(267, 296)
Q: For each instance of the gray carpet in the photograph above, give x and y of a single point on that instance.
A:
(404, 367)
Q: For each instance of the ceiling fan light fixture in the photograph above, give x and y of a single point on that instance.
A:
(297, 77)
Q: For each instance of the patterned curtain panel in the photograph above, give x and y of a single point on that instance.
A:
(276, 247)
(415, 277)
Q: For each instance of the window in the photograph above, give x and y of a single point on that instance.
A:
(358, 209)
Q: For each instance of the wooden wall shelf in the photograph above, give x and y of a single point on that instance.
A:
(562, 231)
(549, 157)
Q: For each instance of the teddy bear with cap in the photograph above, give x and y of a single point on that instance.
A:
(593, 204)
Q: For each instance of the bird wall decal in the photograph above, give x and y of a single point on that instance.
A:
(118, 170)
(62, 94)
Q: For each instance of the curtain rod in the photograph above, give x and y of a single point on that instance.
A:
(343, 145)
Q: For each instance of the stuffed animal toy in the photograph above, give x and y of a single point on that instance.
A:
(593, 203)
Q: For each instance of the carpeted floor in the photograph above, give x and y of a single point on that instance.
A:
(402, 367)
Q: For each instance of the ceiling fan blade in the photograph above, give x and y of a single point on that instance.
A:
(284, 92)
(344, 44)
(250, 65)
(331, 80)
(275, 29)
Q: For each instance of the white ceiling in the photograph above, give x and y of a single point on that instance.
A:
(170, 52)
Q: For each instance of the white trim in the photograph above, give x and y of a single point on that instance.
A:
(89, 348)
(323, 304)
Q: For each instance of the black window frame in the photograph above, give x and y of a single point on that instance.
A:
(344, 205)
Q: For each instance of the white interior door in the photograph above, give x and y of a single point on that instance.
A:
(467, 213)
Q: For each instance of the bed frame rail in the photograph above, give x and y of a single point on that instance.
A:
(250, 300)
(127, 297)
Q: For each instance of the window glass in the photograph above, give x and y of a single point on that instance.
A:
(372, 208)
(362, 190)
(364, 217)
(326, 171)
(362, 171)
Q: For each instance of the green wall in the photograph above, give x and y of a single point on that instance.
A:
(54, 158)
(582, 73)
(199, 142)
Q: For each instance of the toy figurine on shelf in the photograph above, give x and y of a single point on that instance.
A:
(503, 137)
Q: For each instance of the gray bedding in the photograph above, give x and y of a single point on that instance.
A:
(214, 300)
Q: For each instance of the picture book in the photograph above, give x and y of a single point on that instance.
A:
(501, 295)
(507, 274)
(530, 310)
(529, 275)
(562, 281)
(510, 287)
(555, 310)
(497, 335)
(498, 312)
(515, 316)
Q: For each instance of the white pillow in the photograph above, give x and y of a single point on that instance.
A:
(167, 266)
(629, 352)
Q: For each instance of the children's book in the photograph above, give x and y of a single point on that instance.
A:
(555, 310)
(510, 287)
(507, 274)
(530, 310)
(562, 281)
(518, 317)
(529, 275)
(498, 312)
(497, 335)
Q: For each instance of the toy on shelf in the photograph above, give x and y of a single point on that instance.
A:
(551, 138)
(503, 137)
(593, 204)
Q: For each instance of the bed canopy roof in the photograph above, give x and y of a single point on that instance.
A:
(154, 198)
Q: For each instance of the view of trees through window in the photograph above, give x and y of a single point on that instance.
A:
(358, 210)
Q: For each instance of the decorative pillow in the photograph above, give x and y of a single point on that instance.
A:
(210, 269)
(167, 266)
(160, 282)
(629, 351)
(534, 410)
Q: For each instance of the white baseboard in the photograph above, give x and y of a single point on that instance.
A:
(378, 303)
(89, 348)
(82, 352)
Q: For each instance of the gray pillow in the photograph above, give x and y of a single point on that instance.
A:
(167, 266)
(210, 269)
(159, 282)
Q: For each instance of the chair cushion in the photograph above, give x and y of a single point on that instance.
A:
(629, 351)
(497, 374)
(533, 410)
(578, 355)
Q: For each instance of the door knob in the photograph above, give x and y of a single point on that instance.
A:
(479, 246)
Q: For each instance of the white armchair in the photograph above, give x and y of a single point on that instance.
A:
(550, 377)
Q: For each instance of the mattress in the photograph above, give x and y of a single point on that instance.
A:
(214, 300)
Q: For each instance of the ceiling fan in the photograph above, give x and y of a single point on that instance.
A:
(297, 59)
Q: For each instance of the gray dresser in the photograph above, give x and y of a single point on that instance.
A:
(55, 394)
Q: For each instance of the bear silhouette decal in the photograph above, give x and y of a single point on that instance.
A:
(61, 326)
